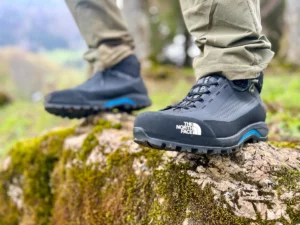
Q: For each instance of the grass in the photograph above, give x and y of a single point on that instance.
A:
(282, 96)
(283, 90)
(66, 57)
(24, 119)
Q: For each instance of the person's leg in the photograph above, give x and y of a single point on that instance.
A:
(104, 31)
(223, 111)
(229, 35)
(116, 83)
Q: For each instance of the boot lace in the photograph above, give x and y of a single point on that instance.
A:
(196, 94)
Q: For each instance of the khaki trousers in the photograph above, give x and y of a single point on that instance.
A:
(228, 33)
(104, 30)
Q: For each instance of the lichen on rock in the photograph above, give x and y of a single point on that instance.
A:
(96, 174)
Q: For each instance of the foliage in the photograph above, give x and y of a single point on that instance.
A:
(166, 22)
(282, 90)
(281, 95)
(23, 119)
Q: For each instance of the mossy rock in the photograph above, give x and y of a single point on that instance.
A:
(4, 99)
(95, 174)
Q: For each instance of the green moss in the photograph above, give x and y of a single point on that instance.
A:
(32, 161)
(288, 180)
(105, 124)
(180, 193)
(294, 213)
(100, 196)
(292, 145)
(88, 145)
(242, 177)
(91, 141)
(9, 213)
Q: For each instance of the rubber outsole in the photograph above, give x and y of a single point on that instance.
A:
(127, 104)
(143, 139)
(78, 112)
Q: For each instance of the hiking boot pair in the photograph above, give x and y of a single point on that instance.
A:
(218, 116)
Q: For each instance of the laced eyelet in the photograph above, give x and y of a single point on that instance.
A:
(195, 95)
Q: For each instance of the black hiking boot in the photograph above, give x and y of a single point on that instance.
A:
(120, 87)
(218, 116)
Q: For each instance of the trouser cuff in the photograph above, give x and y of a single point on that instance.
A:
(106, 56)
(231, 72)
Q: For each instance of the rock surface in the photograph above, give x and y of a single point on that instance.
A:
(96, 174)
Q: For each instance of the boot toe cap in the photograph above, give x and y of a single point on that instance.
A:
(175, 128)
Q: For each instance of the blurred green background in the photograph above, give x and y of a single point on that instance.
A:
(43, 52)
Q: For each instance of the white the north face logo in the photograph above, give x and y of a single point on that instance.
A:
(190, 128)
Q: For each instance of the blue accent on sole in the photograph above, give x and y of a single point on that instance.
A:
(120, 101)
(249, 134)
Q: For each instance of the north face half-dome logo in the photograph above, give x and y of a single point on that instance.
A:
(189, 128)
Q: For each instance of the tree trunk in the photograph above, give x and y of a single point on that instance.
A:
(292, 18)
(272, 13)
(136, 16)
(187, 45)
